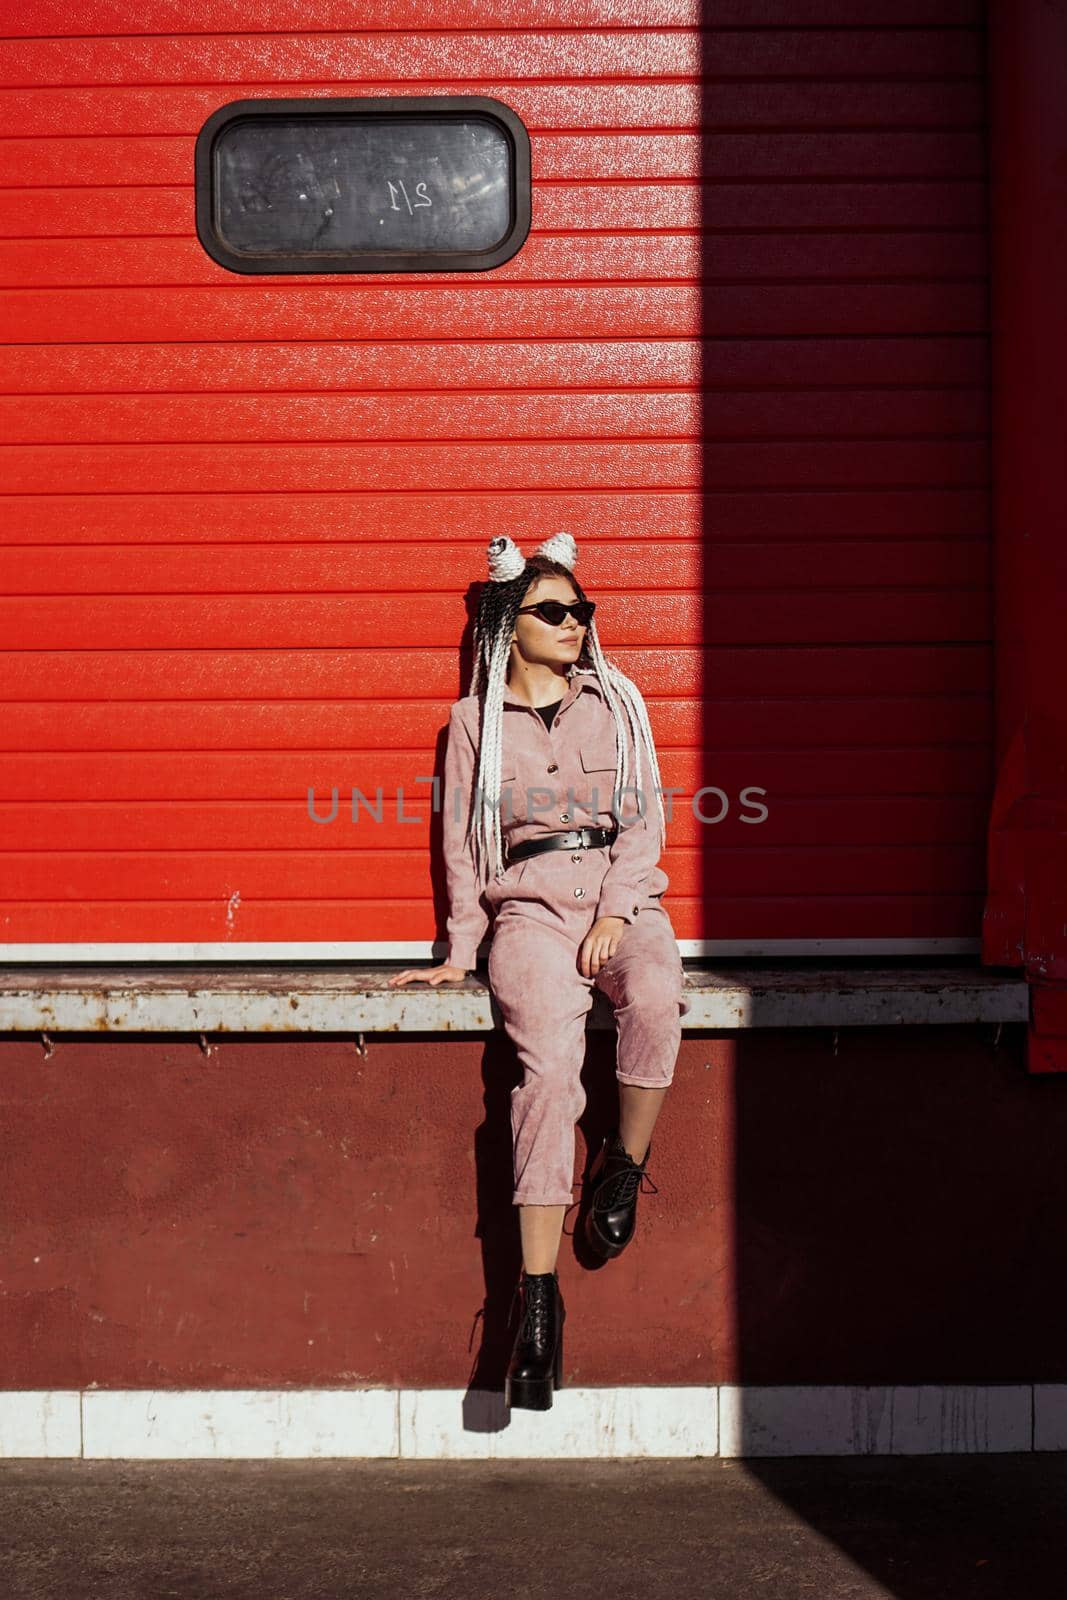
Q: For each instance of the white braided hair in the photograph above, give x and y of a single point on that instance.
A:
(492, 650)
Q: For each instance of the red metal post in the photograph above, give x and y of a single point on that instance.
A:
(1026, 908)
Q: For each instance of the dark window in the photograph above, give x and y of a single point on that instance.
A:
(429, 184)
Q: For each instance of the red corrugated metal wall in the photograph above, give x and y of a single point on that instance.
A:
(742, 357)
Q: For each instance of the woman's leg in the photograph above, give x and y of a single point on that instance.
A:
(544, 1001)
(645, 982)
(540, 1227)
(638, 1109)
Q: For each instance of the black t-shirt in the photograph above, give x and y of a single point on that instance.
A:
(548, 712)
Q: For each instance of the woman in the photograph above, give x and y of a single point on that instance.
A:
(549, 737)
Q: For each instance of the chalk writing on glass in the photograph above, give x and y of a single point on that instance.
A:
(421, 197)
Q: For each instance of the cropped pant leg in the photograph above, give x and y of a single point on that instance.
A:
(544, 1000)
(645, 982)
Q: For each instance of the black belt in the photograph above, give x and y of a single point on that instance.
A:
(576, 839)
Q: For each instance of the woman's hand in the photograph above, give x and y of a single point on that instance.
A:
(600, 943)
(434, 975)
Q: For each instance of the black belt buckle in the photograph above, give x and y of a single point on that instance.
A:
(582, 838)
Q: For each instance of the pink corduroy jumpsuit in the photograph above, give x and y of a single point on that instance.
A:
(560, 778)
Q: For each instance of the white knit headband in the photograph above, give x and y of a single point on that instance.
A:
(506, 560)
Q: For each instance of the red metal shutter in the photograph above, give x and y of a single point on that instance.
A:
(742, 357)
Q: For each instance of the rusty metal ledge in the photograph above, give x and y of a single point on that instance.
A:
(278, 997)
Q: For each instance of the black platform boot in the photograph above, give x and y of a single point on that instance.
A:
(537, 1358)
(615, 1178)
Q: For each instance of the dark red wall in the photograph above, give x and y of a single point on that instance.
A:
(289, 1213)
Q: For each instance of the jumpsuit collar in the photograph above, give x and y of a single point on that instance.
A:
(578, 682)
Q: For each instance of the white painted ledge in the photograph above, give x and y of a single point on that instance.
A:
(434, 1424)
(299, 998)
(409, 952)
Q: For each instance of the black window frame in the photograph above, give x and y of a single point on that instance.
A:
(406, 106)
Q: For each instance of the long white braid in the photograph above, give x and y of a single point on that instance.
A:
(491, 657)
(626, 700)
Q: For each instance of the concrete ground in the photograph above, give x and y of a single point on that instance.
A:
(832, 1527)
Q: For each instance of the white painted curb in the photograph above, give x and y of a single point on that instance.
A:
(454, 1424)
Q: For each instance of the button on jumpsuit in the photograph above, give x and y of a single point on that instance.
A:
(554, 778)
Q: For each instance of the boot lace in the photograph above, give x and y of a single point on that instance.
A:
(537, 1312)
(621, 1188)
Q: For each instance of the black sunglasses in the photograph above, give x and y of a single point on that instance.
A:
(554, 611)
